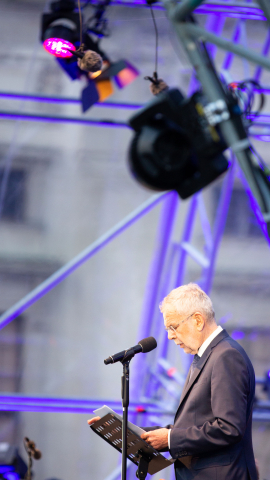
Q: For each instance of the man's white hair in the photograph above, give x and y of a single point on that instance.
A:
(188, 299)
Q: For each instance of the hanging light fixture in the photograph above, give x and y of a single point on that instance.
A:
(62, 34)
(60, 30)
(174, 148)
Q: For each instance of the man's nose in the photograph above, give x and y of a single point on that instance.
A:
(171, 334)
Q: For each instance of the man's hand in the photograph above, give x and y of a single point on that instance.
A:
(158, 439)
(93, 420)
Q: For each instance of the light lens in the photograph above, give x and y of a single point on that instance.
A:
(59, 47)
(93, 75)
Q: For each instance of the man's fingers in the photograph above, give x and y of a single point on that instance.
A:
(158, 439)
(147, 437)
(93, 420)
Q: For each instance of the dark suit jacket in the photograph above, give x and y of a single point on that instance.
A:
(211, 436)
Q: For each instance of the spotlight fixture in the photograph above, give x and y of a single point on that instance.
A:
(60, 29)
(60, 35)
(174, 147)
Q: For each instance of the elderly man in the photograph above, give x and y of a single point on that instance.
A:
(211, 435)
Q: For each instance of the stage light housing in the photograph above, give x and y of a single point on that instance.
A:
(174, 148)
(60, 34)
(60, 29)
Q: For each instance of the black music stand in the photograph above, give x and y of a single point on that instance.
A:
(139, 452)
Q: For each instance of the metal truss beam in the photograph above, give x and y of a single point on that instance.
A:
(232, 9)
(79, 260)
(34, 97)
(80, 405)
(259, 127)
(32, 117)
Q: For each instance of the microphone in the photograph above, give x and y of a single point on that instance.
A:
(144, 346)
(89, 61)
(31, 449)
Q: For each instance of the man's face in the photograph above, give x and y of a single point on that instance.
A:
(186, 335)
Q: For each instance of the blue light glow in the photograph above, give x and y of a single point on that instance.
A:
(253, 336)
(237, 335)
(11, 476)
(6, 468)
(8, 472)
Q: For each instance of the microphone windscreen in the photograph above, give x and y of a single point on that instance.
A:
(148, 344)
(158, 87)
(37, 454)
(91, 61)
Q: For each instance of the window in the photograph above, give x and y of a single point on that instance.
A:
(13, 207)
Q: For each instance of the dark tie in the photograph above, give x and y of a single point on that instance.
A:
(193, 365)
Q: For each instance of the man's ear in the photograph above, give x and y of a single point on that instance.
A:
(200, 321)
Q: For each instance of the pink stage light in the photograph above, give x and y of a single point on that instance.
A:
(58, 47)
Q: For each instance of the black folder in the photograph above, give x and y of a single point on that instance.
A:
(109, 428)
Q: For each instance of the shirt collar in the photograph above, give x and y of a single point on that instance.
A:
(207, 342)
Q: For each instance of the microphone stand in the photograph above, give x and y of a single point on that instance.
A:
(125, 403)
(146, 345)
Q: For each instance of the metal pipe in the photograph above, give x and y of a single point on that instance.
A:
(187, 232)
(79, 260)
(265, 6)
(181, 10)
(184, 8)
(151, 298)
(221, 216)
(265, 50)
(200, 33)
(165, 227)
(88, 121)
(18, 402)
(32, 117)
(34, 97)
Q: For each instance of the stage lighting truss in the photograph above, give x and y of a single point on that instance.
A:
(60, 34)
(156, 126)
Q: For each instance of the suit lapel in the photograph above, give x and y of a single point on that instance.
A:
(200, 365)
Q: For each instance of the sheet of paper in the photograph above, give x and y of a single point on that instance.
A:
(101, 412)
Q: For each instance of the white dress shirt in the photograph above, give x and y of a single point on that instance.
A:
(207, 342)
(201, 350)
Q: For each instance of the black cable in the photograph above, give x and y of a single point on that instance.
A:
(156, 33)
(96, 24)
(246, 92)
(80, 17)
